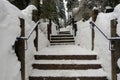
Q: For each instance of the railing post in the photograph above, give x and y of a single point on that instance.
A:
(20, 48)
(35, 18)
(115, 52)
(74, 26)
(36, 38)
(49, 29)
(94, 17)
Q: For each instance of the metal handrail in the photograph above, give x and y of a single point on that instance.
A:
(32, 30)
(108, 38)
(27, 38)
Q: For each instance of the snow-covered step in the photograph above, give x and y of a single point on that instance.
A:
(67, 50)
(65, 35)
(62, 38)
(98, 74)
(68, 43)
(67, 62)
(62, 41)
(68, 78)
(64, 32)
(66, 57)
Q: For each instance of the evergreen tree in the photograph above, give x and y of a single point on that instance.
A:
(53, 9)
(21, 4)
(72, 4)
(111, 3)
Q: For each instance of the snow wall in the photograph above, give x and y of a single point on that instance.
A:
(83, 37)
(9, 31)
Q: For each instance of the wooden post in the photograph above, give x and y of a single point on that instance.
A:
(94, 17)
(74, 26)
(36, 38)
(35, 18)
(75, 29)
(49, 29)
(20, 48)
(115, 52)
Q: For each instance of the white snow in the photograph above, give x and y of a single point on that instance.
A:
(9, 30)
(69, 73)
(101, 43)
(65, 50)
(83, 37)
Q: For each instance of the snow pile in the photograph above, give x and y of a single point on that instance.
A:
(43, 27)
(101, 43)
(9, 30)
(83, 37)
(117, 15)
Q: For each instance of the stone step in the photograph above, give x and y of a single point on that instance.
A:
(65, 57)
(62, 38)
(68, 78)
(66, 66)
(64, 32)
(71, 43)
(62, 41)
(98, 74)
(66, 35)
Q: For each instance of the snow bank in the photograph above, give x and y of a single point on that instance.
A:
(9, 30)
(83, 37)
(117, 15)
(101, 43)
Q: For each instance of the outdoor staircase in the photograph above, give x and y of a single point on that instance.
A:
(63, 38)
(53, 64)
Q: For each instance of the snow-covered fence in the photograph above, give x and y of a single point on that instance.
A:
(114, 46)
